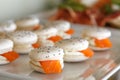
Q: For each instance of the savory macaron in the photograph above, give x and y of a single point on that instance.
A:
(8, 26)
(28, 23)
(24, 41)
(63, 27)
(48, 36)
(47, 59)
(98, 38)
(7, 54)
(75, 49)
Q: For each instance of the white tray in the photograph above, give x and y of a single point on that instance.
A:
(97, 67)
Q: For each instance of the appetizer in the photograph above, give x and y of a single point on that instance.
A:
(7, 54)
(28, 23)
(47, 59)
(98, 38)
(63, 27)
(48, 36)
(7, 27)
(24, 41)
(75, 49)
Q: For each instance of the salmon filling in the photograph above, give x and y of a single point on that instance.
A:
(55, 38)
(104, 43)
(51, 66)
(87, 52)
(36, 27)
(70, 31)
(36, 45)
(10, 56)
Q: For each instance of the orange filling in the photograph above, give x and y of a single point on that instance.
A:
(36, 27)
(88, 52)
(70, 31)
(36, 45)
(51, 66)
(55, 38)
(103, 43)
(11, 56)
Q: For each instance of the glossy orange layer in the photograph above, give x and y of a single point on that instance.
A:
(88, 52)
(11, 56)
(51, 66)
(70, 31)
(104, 43)
(55, 38)
(36, 45)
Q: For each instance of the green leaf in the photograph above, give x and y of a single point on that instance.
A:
(116, 2)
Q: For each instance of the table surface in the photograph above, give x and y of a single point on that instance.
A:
(101, 66)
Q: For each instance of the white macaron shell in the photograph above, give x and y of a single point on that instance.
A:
(23, 37)
(3, 60)
(47, 53)
(8, 27)
(46, 32)
(59, 25)
(27, 22)
(73, 44)
(99, 33)
(6, 45)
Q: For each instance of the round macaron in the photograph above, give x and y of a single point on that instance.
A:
(48, 36)
(6, 27)
(7, 54)
(76, 49)
(63, 27)
(47, 59)
(24, 41)
(28, 23)
(98, 38)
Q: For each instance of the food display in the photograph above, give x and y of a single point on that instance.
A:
(47, 59)
(7, 54)
(63, 27)
(75, 49)
(24, 41)
(89, 12)
(98, 38)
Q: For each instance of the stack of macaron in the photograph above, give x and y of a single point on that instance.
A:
(98, 38)
(7, 54)
(24, 41)
(28, 23)
(48, 36)
(7, 27)
(63, 27)
(75, 49)
(47, 59)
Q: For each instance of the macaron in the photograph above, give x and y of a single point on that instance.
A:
(98, 38)
(24, 41)
(63, 27)
(8, 26)
(7, 54)
(75, 49)
(28, 23)
(48, 36)
(48, 59)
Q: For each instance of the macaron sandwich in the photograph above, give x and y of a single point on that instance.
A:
(7, 54)
(75, 49)
(48, 36)
(63, 27)
(47, 59)
(7, 27)
(24, 41)
(28, 23)
(98, 38)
